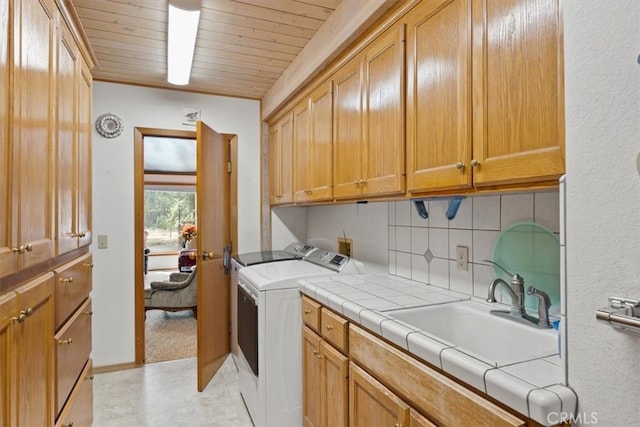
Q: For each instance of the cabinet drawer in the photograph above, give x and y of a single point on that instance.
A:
(78, 412)
(73, 285)
(73, 346)
(334, 329)
(442, 399)
(311, 313)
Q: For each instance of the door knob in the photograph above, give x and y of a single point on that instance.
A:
(208, 255)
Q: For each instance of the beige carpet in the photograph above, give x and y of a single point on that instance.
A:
(170, 336)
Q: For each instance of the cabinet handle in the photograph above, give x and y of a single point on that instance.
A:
(71, 424)
(20, 250)
(356, 182)
(398, 425)
(88, 264)
(88, 313)
(307, 311)
(82, 234)
(319, 356)
(20, 318)
(362, 181)
(90, 377)
(66, 342)
(459, 165)
(66, 281)
(474, 163)
(315, 352)
(329, 327)
(28, 247)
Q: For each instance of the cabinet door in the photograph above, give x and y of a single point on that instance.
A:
(67, 76)
(417, 420)
(8, 260)
(301, 162)
(518, 113)
(321, 144)
(438, 96)
(274, 165)
(33, 139)
(371, 403)
(384, 159)
(33, 344)
(312, 397)
(8, 310)
(347, 130)
(280, 160)
(84, 223)
(335, 388)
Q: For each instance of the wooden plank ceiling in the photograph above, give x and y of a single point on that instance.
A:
(243, 46)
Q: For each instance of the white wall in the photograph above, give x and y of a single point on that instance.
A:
(602, 93)
(113, 210)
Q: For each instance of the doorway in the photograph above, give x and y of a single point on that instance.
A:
(178, 180)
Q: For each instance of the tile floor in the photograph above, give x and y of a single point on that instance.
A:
(165, 394)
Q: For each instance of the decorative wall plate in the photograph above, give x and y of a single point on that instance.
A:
(109, 125)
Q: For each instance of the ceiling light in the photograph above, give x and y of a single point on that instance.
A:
(183, 28)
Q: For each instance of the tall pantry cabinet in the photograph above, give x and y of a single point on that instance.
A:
(45, 215)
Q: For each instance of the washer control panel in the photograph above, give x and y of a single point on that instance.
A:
(327, 259)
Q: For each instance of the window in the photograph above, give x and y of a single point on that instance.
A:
(166, 210)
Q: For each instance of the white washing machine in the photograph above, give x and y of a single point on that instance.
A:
(269, 334)
(294, 251)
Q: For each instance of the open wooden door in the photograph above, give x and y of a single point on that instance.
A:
(213, 220)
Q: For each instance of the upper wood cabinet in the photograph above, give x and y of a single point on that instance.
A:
(438, 95)
(8, 260)
(312, 147)
(74, 146)
(281, 161)
(485, 94)
(518, 92)
(33, 197)
(369, 120)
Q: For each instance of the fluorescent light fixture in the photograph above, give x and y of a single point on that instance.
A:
(183, 28)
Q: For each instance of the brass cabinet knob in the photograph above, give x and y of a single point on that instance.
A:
(20, 318)
(307, 311)
(88, 264)
(208, 255)
(66, 342)
(66, 281)
(319, 356)
(329, 327)
(474, 163)
(28, 247)
(459, 165)
(68, 424)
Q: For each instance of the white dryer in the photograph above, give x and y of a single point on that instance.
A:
(270, 334)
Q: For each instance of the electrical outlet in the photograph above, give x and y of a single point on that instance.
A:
(103, 241)
(344, 246)
(462, 258)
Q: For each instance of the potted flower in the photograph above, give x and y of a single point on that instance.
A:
(188, 234)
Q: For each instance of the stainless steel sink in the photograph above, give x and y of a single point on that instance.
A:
(471, 327)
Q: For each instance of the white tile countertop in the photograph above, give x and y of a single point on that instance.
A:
(532, 387)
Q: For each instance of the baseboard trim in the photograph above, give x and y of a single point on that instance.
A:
(113, 368)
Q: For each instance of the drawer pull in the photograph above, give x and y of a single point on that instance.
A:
(65, 342)
(90, 377)
(319, 356)
(329, 327)
(307, 311)
(88, 313)
(88, 264)
(398, 425)
(21, 317)
(71, 424)
(66, 281)
(315, 352)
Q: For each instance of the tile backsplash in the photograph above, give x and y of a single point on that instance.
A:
(425, 249)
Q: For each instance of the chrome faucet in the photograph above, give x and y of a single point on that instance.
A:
(516, 291)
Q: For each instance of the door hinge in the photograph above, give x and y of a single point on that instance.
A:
(229, 167)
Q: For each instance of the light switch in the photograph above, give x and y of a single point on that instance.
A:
(462, 258)
(103, 241)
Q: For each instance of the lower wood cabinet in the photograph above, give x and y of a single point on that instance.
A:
(73, 346)
(325, 379)
(79, 411)
(371, 403)
(26, 354)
